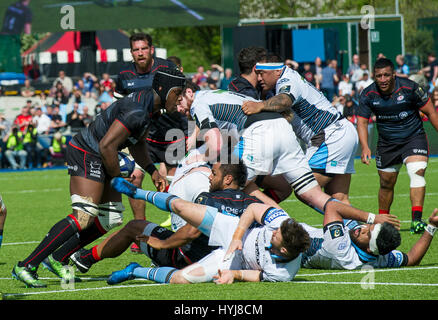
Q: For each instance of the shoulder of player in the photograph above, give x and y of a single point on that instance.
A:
(370, 92)
(405, 84)
(162, 63)
(128, 71)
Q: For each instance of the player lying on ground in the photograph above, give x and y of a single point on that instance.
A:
(271, 252)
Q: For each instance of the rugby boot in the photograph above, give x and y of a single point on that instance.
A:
(123, 275)
(60, 270)
(28, 276)
(418, 227)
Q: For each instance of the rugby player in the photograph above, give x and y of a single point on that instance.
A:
(246, 83)
(330, 139)
(345, 244)
(92, 159)
(396, 103)
(137, 76)
(269, 252)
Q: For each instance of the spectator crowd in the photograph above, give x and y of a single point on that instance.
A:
(37, 136)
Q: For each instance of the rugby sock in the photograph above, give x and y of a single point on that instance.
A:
(90, 256)
(381, 211)
(417, 213)
(58, 234)
(80, 240)
(160, 274)
(1, 237)
(161, 200)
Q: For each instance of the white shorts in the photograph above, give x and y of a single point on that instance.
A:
(188, 188)
(270, 147)
(336, 153)
(222, 230)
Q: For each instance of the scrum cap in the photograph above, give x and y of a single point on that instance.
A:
(165, 79)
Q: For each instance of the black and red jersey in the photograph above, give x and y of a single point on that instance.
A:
(397, 114)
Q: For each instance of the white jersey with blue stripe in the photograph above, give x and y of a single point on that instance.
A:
(224, 108)
(332, 248)
(312, 111)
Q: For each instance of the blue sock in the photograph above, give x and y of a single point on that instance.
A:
(160, 274)
(161, 200)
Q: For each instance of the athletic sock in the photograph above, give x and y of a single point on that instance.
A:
(381, 211)
(417, 213)
(58, 234)
(80, 240)
(160, 274)
(90, 256)
(162, 200)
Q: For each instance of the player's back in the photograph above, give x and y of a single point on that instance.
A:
(312, 111)
(133, 112)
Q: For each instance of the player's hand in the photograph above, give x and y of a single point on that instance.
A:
(392, 219)
(366, 156)
(251, 107)
(224, 277)
(433, 219)
(234, 245)
(159, 181)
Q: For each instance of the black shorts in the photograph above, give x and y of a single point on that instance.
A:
(84, 164)
(178, 257)
(389, 154)
(157, 152)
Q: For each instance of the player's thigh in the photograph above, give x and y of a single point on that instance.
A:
(388, 177)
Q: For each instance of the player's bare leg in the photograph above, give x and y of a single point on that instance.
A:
(386, 190)
(337, 186)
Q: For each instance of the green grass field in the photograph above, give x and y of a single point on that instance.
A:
(36, 200)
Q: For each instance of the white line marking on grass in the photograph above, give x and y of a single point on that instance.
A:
(369, 283)
(190, 11)
(429, 194)
(84, 289)
(365, 271)
(34, 190)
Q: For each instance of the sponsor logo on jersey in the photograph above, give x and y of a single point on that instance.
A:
(274, 214)
(283, 80)
(400, 98)
(336, 231)
(403, 115)
(285, 89)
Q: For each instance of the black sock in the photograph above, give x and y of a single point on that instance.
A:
(59, 234)
(80, 240)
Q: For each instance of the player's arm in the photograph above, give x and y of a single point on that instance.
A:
(430, 111)
(108, 147)
(419, 249)
(335, 210)
(362, 131)
(278, 103)
(229, 276)
(140, 153)
(255, 212)
(182, 236)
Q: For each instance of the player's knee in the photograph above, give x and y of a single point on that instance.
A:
(138, 177)
(178, 278)
(111, 215)
(416, 171)
(84, 209)
(305, 183)
(194, 273)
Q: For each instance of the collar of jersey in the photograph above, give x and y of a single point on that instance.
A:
(277, 257)
(364, 256)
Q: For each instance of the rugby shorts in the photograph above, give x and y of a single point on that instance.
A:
(332, 150)
(270, 147)
(390, 154)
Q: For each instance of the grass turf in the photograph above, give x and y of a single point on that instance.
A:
(38, 199)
